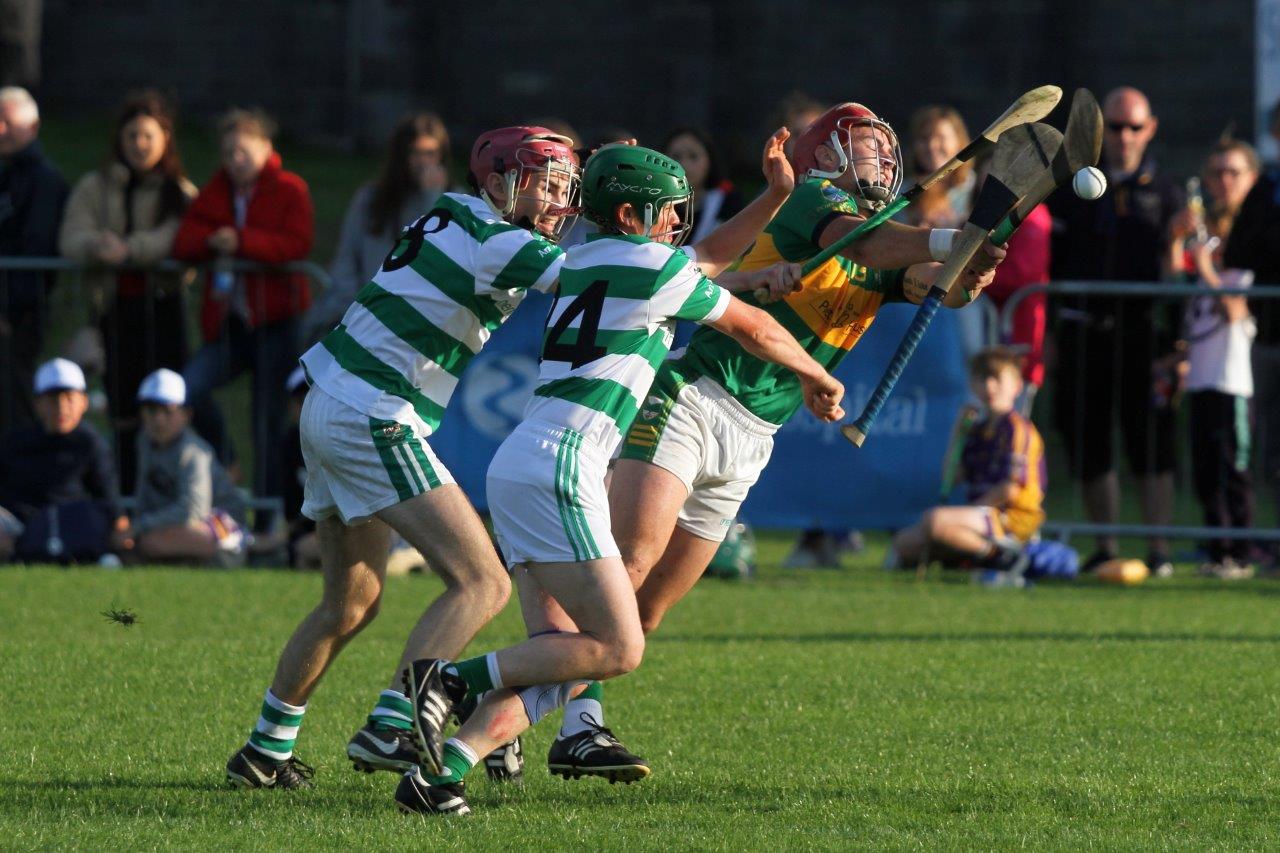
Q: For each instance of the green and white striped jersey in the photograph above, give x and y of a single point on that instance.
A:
(611, 326)
(454, 276)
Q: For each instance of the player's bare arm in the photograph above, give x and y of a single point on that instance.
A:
(894, 245)
(724, 245)
(763, 337)
(920, 277)
(778, 280)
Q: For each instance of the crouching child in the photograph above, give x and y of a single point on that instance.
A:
(187, 509)
(1002, 469)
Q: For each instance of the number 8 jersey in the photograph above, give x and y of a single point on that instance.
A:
(454, 276)
(611, 327)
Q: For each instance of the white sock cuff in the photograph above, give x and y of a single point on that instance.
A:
(575, 710)
(491, 660)
(461, 746)
(541, 699)
(283, 706)
(394, 694)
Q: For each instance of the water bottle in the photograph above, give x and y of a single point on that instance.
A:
(223, 279)
(54, 545)
(1195, 204)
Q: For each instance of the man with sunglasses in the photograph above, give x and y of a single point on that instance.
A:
(1122, 236)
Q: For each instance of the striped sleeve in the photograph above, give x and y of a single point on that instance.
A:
(515, 259)
(684, 293)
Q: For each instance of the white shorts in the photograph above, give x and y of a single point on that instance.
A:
(357, 465)
(547, 497)
(712, 443)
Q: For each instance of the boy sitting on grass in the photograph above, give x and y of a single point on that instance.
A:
(187, 507)
(1002, 466)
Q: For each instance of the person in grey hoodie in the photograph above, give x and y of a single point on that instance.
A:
(187, 507)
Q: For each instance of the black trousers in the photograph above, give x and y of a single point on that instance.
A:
(1221, 428)
(1104, 378)
(21, 338)
(139, 334)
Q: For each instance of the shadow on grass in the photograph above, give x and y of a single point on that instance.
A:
(973, 637)
(23, 788)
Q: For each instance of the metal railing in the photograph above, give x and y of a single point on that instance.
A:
(310, 269)
(1125, 289)
(70, 306)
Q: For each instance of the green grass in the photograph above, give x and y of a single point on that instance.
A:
(802, 710)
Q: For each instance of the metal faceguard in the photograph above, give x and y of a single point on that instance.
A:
(872, 194)
(538, 163)
(528, 158)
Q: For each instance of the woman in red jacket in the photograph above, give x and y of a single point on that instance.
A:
(254, 210)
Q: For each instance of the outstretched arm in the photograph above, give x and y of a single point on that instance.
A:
(764, 337)
(920, 277)
(724, 245)
(777, 280)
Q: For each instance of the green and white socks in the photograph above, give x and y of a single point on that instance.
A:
(393, 711)
(277, 728)
(480, 673)
(458, 761)
(587, 705)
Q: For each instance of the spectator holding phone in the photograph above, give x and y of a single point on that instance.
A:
(254, 210)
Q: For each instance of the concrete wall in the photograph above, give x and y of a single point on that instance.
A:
(341, 70)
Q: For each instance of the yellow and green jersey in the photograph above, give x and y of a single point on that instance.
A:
(833, 308)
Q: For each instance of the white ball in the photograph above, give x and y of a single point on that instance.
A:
(1089, 183)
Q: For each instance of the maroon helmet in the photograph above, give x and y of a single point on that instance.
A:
(838, 128)
(518, 153)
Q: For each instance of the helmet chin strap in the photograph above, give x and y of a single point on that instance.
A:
(873, 196)
(815, 172)
(510, 180)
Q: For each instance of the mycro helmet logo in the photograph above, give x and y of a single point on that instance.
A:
(617, 186)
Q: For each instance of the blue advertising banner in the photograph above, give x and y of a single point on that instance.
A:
(818, 479)
(815, 478)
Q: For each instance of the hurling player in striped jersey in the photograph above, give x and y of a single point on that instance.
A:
(380, 382)
(609, 330)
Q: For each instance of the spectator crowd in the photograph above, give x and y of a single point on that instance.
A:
(1113, 361)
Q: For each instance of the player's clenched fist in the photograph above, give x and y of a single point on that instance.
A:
(822, 396)
(975, 282)
(987, 258)
(777, 168)
(775, 282)
(981, 271)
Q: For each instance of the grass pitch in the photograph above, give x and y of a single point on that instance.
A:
(801, 710)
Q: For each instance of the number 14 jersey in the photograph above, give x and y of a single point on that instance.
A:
(611, 327)
(453, 277)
